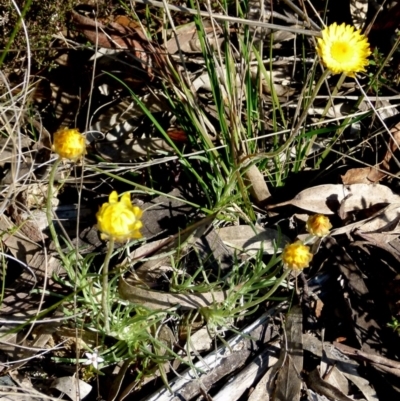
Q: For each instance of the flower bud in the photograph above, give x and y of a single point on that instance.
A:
(296, 256)
(69, 144)
(318, 225)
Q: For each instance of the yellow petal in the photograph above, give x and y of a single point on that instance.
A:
(113, 198)
(126, 199)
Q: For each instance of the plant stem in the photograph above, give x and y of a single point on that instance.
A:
(49, 213)
(263, 298)
(16, 28)
(295, 130)
(328, 105)
(104, 295)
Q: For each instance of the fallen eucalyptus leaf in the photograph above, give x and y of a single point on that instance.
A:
(164, 300)
(385, 217)
(68, 385)
(288, 382)
(327, 199)
(250, 240)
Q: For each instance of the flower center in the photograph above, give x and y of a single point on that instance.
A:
(341, 52)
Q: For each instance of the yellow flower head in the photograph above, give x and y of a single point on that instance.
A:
(69, 144)
(318, 225)
(296, 256)
(342, 49)
(119, 220)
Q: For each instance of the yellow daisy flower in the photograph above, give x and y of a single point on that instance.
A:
(343, 49)
(69, 144)
(119, 220)
(318, 225)
(296, 256)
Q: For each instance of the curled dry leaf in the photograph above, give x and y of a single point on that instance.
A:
(363, 175)
(115, 35)
(327, 199)
(258, 189)
(118, 36)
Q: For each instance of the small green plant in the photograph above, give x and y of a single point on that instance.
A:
(394, 324)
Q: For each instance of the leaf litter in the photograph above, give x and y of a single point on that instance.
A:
(350, 308)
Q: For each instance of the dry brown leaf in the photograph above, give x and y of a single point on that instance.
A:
(112, 36)
(363, 175)
(333, 375)
(288, 382)
(374, 174)
(117, 36)
(394, 145)
(22, 389)
(160, 251)
(187, 38)
(250, 240)
(327, 199)
(385, 241)
(164, 300)
(119, 119)
(322, 387)
(364, 196)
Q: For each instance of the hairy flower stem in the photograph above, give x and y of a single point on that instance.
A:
(49, 213)
(314, 94)
(104, 295)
